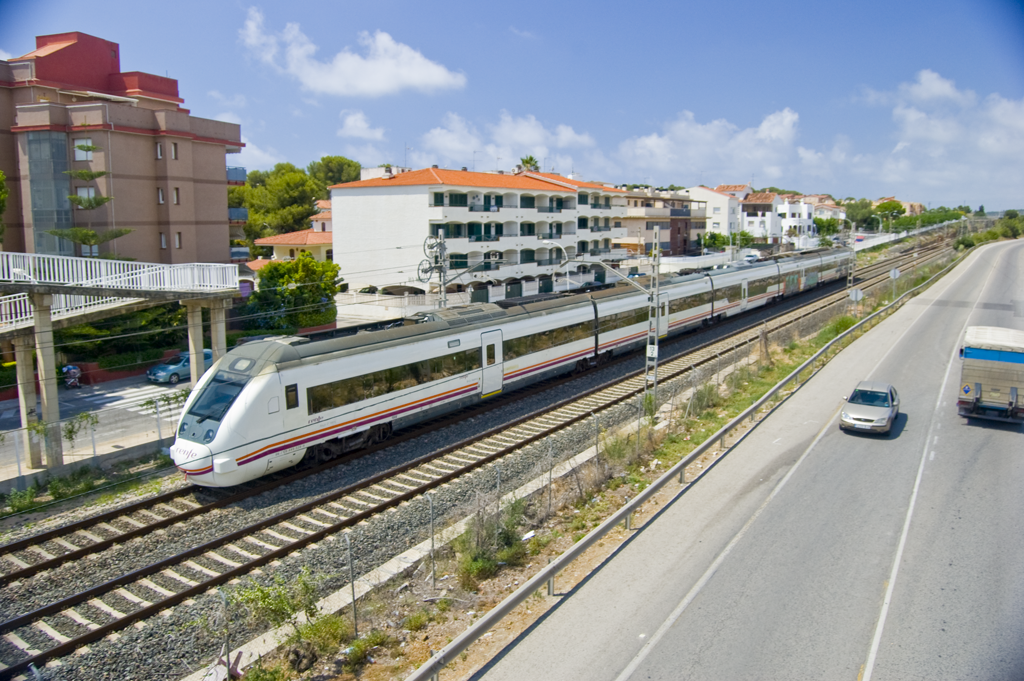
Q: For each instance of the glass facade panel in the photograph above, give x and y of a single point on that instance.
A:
(47, 161)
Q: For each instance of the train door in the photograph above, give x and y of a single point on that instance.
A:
(663, 314)
(491, 363)
(743, 295)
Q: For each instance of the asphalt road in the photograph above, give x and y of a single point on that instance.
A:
(809, 553)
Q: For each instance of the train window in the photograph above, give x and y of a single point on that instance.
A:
(490, 355)
(347, 391)
(453, 343)
(291, 396)
(535, 342)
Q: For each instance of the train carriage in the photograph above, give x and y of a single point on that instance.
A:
(267, 404)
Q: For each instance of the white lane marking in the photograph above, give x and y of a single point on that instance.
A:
(710, 572)
(880, 626)
(931, 457)
(935, 440)
(777, 441)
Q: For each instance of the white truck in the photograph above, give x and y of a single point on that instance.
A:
(992, 375)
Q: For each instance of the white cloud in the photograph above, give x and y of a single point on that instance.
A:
(523, 34)
(460, 143)
(355, 124)
(253, 157)
(5, 56)
(687, 149)
(388, 66)
(367, 154)
(235, 102)
(969, 151)
(931, 87)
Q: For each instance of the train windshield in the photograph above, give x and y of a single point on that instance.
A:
(217, 396)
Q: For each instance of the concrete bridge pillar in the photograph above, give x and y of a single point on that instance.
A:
(47, 365)
(24, 351)
(194, 316)
(218, 327)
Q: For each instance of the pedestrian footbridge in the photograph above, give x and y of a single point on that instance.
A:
(44, 291)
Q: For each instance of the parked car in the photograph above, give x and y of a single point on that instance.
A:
(873, 406)
(177, 368)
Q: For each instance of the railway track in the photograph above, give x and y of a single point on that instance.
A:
(68, 624)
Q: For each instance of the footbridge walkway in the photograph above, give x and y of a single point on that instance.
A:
(44, 292)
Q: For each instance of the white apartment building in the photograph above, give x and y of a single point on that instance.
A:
(798, 217)
(760, 216)
(829, 210)
(722, 210)
(505, 235)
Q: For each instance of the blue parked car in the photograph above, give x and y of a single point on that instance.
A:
(177, 368)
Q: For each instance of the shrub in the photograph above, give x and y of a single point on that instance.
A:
(836, 327)
(326, 633)
(23, 500)
(77, 482)
(417, 620)
(360, 649)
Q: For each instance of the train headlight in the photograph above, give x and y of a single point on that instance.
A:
(208, 437)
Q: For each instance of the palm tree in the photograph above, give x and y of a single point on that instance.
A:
(530, 163)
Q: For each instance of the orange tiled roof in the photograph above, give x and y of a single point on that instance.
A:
(713, 190)
(326, 215)
(46, 49)
(730, 187)
(258, 264)
(323, 204)
(458, 178)
(305, 237)
(576, 183)
(764, 197)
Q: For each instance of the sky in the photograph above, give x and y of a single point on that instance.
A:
(919, 100)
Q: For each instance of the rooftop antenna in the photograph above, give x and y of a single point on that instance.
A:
(407, 148)
(475, 152)
(497, 162)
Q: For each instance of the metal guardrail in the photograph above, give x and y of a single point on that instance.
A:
(432, 667)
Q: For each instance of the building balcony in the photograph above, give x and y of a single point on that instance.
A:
(238, 214)
(236, 175)
(599, 228)
(485, 237)
(598, 206)
(551, 235)
(548, 209)
(484, 209)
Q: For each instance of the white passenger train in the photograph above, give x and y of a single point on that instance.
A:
(267, 404)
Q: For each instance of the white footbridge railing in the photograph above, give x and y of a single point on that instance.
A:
(16, 310)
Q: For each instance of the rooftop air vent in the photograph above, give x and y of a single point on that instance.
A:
(464, 168)
(434, 166)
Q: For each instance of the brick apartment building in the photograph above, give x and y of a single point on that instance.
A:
(166, 169)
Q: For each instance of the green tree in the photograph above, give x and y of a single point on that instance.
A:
(294, 294)
(828, 226)
(715, 240)
(529, 162)
(981, 211)
(158, 327)
(890, 210)
(89, 237)
(744, 239)
(331, 170)
(859, 211)
(1009, 214)
(4, 192)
